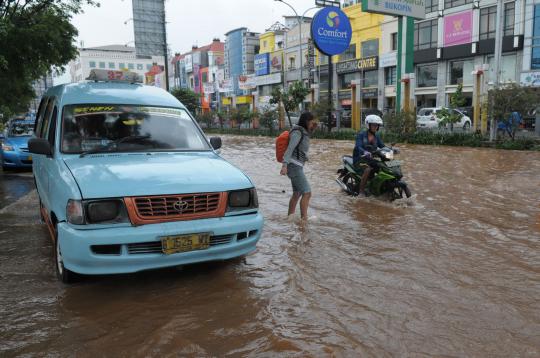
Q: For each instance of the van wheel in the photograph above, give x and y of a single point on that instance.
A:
(63, 274)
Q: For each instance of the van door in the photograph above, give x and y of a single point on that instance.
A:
(37, 164)
(42, 161)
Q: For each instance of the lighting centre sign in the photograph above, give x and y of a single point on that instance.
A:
(331, 31)
(410, 8)
(363, 64)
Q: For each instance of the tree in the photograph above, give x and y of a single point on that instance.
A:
(512, 98)
(320, 111)
(291, 98)
(206, 118)
(242, 115)
(188, 98)
(268, 118)
(448, 115)
(400, 123)
(36, 37)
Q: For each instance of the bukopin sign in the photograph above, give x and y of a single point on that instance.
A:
(331, 31)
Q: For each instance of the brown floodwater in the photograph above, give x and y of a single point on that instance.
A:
(453, 271)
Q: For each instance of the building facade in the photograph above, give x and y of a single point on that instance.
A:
(241, 46)
(113, 57)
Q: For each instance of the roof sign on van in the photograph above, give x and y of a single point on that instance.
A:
(114, 76)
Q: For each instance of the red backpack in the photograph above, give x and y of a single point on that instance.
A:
(282, 142)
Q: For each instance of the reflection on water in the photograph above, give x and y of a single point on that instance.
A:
(452, 271)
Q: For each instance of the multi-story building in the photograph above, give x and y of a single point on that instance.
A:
(40, 87)
(241, 46)
(112, 57)
(296, 53)
(268, 63)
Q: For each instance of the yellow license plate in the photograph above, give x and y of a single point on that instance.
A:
(30, 158)
(184, 243)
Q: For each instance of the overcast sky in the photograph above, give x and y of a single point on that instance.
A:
(189, 22)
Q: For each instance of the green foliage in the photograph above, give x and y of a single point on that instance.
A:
(402, 123)
(268, 118)
(320, 111)
(188, 98)
(447, 115)
(242, 115)
(290, 99)
(36, 37)
(512, 98)
(206, 118)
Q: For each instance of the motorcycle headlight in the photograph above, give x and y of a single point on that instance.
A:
(7, 148)
(243, 199)
(389, 155)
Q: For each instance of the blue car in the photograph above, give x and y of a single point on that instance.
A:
(14, 153)
(127, 182)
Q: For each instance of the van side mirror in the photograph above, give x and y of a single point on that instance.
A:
(215, 142)
(39, 146)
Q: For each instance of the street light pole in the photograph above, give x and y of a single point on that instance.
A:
(165, 49)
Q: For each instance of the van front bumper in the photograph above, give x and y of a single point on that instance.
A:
(138, 248)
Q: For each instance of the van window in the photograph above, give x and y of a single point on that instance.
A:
(39, 116)
(46, 118)
(52, 127)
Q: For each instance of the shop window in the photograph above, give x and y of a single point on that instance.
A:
(488, 22)
(345, 80)
(349, 54)
(111, 65)
(121, 65)
(425, 34)
(92, 64)
(140, 66)
(370, 48)
(453, 3)
(390, 75)
(102, 65)
(292, 63)
(371, 78)
(507, 68)
(394, 41)
(427, 75)
(460, 72)
(131, 66)
(432, 5)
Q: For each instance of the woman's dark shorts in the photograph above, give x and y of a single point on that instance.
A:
(298, 179)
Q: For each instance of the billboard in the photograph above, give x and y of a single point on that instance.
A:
(148, 27)
(276, 61)
(411, 8)
(458, 29)
(246, 82)
(262, 64)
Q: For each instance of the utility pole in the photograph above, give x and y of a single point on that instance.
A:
(165, 49)
(498, 55)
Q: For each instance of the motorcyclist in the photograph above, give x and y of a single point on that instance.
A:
(366, 142)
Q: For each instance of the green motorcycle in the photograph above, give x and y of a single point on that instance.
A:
(386, 181)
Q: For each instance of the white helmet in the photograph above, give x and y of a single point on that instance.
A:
(373, 119)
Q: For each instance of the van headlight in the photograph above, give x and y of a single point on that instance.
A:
(96, 211)
(243, 199)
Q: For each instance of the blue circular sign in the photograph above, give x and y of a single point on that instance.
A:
(331, 31)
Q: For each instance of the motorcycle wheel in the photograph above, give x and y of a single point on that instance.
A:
(352, 184)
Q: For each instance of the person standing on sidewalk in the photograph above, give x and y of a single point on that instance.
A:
(294, 159)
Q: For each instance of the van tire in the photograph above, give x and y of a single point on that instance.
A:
(63, 274)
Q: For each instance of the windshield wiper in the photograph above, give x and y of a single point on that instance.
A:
(107, 147)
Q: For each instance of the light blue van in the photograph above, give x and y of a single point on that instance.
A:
(128, 181)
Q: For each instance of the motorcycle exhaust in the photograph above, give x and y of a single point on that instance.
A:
(343, 186)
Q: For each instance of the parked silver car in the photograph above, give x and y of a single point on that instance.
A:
(427, 118)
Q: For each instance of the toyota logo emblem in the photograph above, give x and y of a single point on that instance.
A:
(180, 205)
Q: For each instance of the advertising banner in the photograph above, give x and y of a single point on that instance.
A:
(276, 61)
(458, 29)
(268, 79)
(208, 87)
(331, 31)
(410, 8)
(246, 82)
(530, 79)
(262, 64)
(225, 85)
(388, 60)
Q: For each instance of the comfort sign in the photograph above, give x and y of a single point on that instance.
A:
(331, 31)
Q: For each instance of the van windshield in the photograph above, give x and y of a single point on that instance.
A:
(128, 128)
(18, 129)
